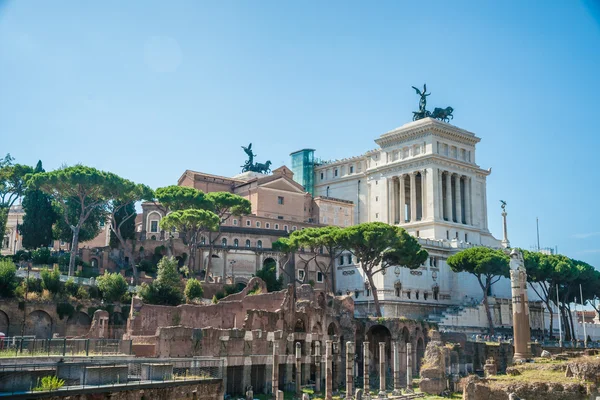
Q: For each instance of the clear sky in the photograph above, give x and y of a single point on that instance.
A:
(148, 89)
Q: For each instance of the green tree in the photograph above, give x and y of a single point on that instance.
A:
(268, 273)
(487, 265)
(12, 186)
(166, 288)
(8, 278)
(90, 228)
(328, 239)
(51, 280)
(87, 187)
(193, 290)
(112, 286)
(39, 218)
(190, 223)
(286, 254)
(379, 246)
(122, 195)
(225, 205)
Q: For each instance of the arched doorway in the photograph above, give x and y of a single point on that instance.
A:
(420, 353)
(39, 324)
(300, 326)
(4, 323)
(78, 324)
(332, 329)
(375, 335)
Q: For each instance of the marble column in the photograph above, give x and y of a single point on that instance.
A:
(413, 197)
(275, 372)
(349, 369)
(458, 197)
(468, 220)
(388, 196)
(409, 367)
(382, 392)
(394, 199)
(423, 195)
(366, 383)
(397, 379)
(328, 371)
(317, 366)
(298, 367)
(402, 199)
(448, 213)
(440, 194)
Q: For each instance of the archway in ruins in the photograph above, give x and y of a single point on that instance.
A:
(375, 335)
(78, 324)
(420, 353)
(300, 326)
(39, 324)
(332, 329)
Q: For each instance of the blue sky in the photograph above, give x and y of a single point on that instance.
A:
(147, 89)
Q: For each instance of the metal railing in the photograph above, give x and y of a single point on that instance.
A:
(66, 377)
(29, 346)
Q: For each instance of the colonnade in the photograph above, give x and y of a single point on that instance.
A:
(408, 197)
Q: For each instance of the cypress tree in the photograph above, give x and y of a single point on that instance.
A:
(39, 217)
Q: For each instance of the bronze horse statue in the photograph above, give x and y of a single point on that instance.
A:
(443, 114)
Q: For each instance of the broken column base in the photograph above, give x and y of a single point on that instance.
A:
(382, 395)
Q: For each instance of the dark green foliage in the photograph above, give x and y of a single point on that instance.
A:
(229, 289)
(8, 278)
(12, 186)
(21, 255)
(94, 293)
(148, 266)
(193, 290)
(51, 280)
(268, 274)
(39, 218)
(166, 288)
(41, 256)
(65, 310)
(90, 228)
(71, 287)
(32, 285)
(128, 214)
(112, 286)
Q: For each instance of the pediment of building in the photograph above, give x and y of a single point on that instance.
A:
(284, 184)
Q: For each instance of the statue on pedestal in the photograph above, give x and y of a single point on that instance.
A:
(443, 114)
(250, 165)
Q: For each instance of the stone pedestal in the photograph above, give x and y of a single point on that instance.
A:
(382, 393)
(349, 369)
(490, 368)
(275, 372)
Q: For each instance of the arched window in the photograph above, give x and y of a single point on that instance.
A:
(224, 242)
(236, 243)
(259, 244)
(247, 242)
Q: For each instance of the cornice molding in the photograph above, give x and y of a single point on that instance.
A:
(425, 127)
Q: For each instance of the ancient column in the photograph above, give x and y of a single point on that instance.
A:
(397, 381)
(382, 393)
(413, 197)
(409, 367)
(317, 366)
(328, 372)
(275, 373)
(298, 367)
(366, 383)
(457, 196)
(402, 205)
(468, 220)
(349, 369)
(520, 306)
(440, 197)
(505, 242)
(392, 199)
(423, 196)
(448, 196)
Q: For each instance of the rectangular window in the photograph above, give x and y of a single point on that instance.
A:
(321, 176)
(341, 260)
(319, 277)
(277, 226)
(268, 225)
(235, 222)
(285, 228)
(248, 223)
(301, 275)
(466, 238)
(376, 215)
(351, 169)
(279, 199)
(376, 198)
(335, 173)
(349, 258)
(258, 224)
(279, 217)
(418, 234)
(448, 235)
(153, 226)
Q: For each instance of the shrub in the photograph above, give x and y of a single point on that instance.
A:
(48, 383)
(193, 290)
(147, 266)
(82, 293)
(8, 278)
(214, 299)
(41, 256)
(63, 259)
(166, 289)
(32, 285)
(112, 286)
(94, 293)
(21, 255)
(51, 280)
(268, 274)
(71, 287)
(65, 310)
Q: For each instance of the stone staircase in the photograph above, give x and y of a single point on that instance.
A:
(459, 316)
